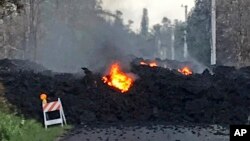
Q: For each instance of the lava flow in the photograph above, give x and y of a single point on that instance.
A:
(118, 79)
(151, 64)
(186, 71)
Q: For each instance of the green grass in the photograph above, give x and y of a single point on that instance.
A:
(16, 128)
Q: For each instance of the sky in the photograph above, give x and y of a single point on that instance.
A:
(157, 9)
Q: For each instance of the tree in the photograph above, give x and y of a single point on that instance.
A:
(63, 35)
(144, 23)
(233, 44)
(163, 38)
(199, 31)
(10, 28)
(232, 31)
(33, 27)
(179, 28)
(156, 29)
(128, 26)
(118, 19)
(166, 38)
(166, 22)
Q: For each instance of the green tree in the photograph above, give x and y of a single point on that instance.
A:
(199, 31)
(232, 32)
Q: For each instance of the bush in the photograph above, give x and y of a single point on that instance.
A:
(10, 125)
(13, 128)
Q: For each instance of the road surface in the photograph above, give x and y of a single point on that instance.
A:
(152, 133)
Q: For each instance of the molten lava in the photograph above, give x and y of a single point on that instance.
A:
(143, 63)
(186, 71)
(151, 64)
(118, 79)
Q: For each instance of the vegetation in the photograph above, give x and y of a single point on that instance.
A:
(13, 128)
(199, 31)
(16, 128)
(232, 32)
(38, 30)
(65, 35)
(144, 23)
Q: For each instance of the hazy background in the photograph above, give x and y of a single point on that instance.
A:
(65, 35)
(132, 9)
(78, 34)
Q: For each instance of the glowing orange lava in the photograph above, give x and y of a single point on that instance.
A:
(143, 63)
(118, 79)
(151, 64)
(186, 71)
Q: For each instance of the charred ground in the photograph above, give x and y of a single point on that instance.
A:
(158, 94)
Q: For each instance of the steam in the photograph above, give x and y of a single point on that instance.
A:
(132, 9)
(75, 35)
(84, 40)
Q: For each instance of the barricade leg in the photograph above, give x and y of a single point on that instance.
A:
(62, 112)
(61, 117)
(44, 117)
(248, 120)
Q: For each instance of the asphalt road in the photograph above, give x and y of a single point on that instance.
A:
(153, 133)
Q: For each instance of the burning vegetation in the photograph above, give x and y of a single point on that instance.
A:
(185, 71)
(118, 79)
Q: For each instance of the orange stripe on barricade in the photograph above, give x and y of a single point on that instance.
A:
(59, 106)
(52, 106)
(55, 107)
(46, 106)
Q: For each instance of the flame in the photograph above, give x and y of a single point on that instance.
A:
(118, 79)
(186, 71)
(151, 64)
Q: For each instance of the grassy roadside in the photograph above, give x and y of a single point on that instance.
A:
(16, 128)
(13, 128)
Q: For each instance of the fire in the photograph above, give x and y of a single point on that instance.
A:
(151, 64)
(185, 71)
(118, 79)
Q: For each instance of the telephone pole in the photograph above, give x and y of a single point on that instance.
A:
(172, 42)
(185, 33)
(213, 28)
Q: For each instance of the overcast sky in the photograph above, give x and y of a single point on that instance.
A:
(157, 9)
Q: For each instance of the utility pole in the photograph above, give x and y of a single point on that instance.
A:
(172, 43)
(185, 33)
(213, 28)
(158, 43)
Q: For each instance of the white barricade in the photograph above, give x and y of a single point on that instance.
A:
(50, 107)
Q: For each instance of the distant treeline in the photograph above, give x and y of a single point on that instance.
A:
(64, 35)
(233, 26)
